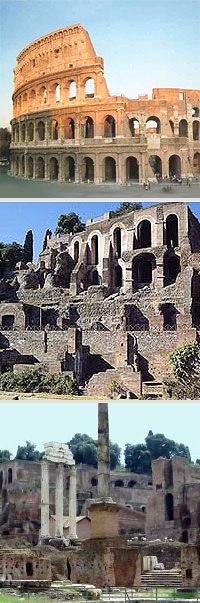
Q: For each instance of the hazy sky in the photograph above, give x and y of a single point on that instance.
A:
(130, 422)
(145, 43)
(18, 217)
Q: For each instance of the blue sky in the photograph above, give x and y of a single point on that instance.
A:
(18, 217)
(145, 43)
(130, 422)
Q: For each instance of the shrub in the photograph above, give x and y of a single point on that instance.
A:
(37, 380)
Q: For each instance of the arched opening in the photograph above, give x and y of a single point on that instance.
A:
(169, 314)
(54, 129)
(136, 320)
(95, 250)
(30, 131)
(171, 268)
(53, 168)
(22, 170)
(68, 570)
(109, 127)
(57, 93)
(94, 278)
(76, 251)
(70, 129)
(153, 125)
(142, 271)
(9, 476)
(132, 169)
(23, 132)
(144, 234)
(183, 128)
(118, 276)
(94, 481)
(89, 87)
(29, 568)
(110, 169)
(156, 165)
(88, 169)
(171, 123)
(41, 130)
(195, 112)
(32, 97)
(17, 166)
(119, 483)
(134, 127)
(30, 167)
(72, 90)
(89, 128)
(117, 241)
(40, 168)
(43, 95)
(196, 163)
(1, 479)
(196, 130)
(132, 483)
(172, 231)
(70, 169)
(175, 166)
(169, 507)
(17, 133)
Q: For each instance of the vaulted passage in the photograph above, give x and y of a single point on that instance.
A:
(70, 129)
(153, 125)
(142, 271)
(22, 167)
(144, 234)
(30, 167)
(156, 165)
(30, 131)
(54, 130)
(132, 169)
(40, 168)
(196, 163)
(70, 169)
(110, 169)
(109, 127)
(53, 168)
(89, 128)
(117, 241)
(183, 128)
(175, 166)
(41, 130)
(172, 231)
(88, 169)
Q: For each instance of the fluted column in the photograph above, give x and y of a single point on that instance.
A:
(72, 504)
(44, 499)
(59, 501)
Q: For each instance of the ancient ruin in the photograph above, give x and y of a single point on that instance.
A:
(107, 305)
(66, 126)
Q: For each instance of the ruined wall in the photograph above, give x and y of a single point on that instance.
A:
(190, 565)
(23, 565)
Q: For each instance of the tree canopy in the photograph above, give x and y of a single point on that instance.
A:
(28, 452)
(85, 450)
(138, 457)
(69, 223)
(125, 207)
(10, 254)
(5, 455)
(5, 138)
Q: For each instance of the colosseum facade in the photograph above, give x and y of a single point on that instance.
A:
(66, 126)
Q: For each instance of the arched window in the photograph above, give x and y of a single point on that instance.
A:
(89, 128)
(76, 251)
(22, 171)
(17, 133)
(43, 95)
(54, 168)
(57, 93)
(143, 266)
(195, 112)
(23, 132)
(88, 170)
(183, 128)
(30, 167)
(95, 250)
(196, 163)
(153, 125)
(172, 231)
(119, 483)
(72, 90)
(196, 130)
(109, 127)
(132, 169)
(70, 128)
(30, 131)
(70, 169)
(41, 130)
(9, 476)
(117, 241)
(144, 234)
(89, 87)
(110, 169)
(32, 96)
(156, 165)
(134, 127)
(169, 507)
(40, 168)
(54, 129)
(175, 166)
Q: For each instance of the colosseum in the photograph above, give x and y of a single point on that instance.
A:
(66, 126)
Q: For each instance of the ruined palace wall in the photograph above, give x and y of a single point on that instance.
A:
(190, 564)
(23, 565)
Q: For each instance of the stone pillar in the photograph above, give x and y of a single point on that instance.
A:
(103, 454)
(59, 501)
(72, 504)
(44, 500)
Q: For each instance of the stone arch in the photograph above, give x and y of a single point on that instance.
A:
(171, 267)
(57, 93)
(155, 163)
(117, 241)
(144, 234)
(54, 129)
(17, 133)
(196, 163)
(89, 87)
(76, 251)
(169, 507)
(70, 129)
(196, 130)
(22, 166)
(169, 314)
(41, 130)
(132, 169)
(53, 168)
(183, 128)
(119, 483)
(142, 270)
(95, 249)
(195, 111)
(175, 165)
(43, 95)
(134, 127)
(153, 125)
(70, 169)
(89, 128)
(23, 132)
(72, 89)
(30, 165)
(88, 169)
(109, 127)
(172, 234)
(30, 131)
(40, 168)
(110, 169)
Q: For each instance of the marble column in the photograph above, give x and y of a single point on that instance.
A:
(103, 453)
(44, 499)
(72, 504)
(59, 501)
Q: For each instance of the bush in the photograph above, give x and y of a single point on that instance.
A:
(37, 380)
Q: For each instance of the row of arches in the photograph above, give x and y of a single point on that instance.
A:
(53, 93)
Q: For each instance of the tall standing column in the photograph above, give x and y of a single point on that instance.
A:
(72, 504)
(59, 500)
(44, 499)
(103, 453)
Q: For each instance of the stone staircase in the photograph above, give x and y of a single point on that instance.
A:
(115, 382)
(165, 578)
(152, 388)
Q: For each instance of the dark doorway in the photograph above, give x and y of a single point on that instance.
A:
(8, 321)
(118, 276)
(68, 570)
(40, 168)
(144, 234)
(109, 127)
(9, 476)
(70, 169)
(169, 507)
(88, 169)
(172, 231)
(110, 169)
(89, 128)
(29, 569)
(156, 165)
(132, 169)
(54, 168)
(175, 166)
(76, 251)
(94, 250)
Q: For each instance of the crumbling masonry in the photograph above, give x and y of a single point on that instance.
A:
(67, 127)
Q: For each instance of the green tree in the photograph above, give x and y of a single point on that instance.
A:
(137, 458)
(28, 452)
(115, 454)
(69, 223)
(28, 247)
(158, 445)
(125, 207)
(186, 366)
(5, 138)
(48, 233)
(10, 254)
(85, 450)
(5, 455)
